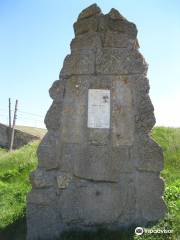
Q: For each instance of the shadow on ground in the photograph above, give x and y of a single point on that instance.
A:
(17, 231)
(101, 234)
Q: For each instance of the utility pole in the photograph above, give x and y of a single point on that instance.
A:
(14, 122)
(9, 114)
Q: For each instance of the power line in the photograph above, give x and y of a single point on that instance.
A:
(24, 112)
(31, 113)
(24, 117)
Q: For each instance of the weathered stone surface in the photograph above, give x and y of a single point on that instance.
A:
(122, 160)
(107, 23)
(111, 161)
(122, 117)
(98, 169)
(40, 178)
(90, 11)
(44, 221)
(42, 196)
(92, 21)
(91, 40)
(56, 111)
(120, 61)
(48, 150)
(57, 91)
(98, 137)
(114, 14)
(70, 152)
(74, 109)
(79, 62)
(100, 82)
(63, 180)
(86, 25)
(118, 40)
(146, 116)
(101, 203)
(149, 209)
(147, 154)
(108, 39)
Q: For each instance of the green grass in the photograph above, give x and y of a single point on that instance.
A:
(14, 182)
(14, 185)
(169, 140)
(3, 151)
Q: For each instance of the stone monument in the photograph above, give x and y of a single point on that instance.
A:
(98, 166)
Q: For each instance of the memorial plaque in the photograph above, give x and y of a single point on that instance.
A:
(99, 108)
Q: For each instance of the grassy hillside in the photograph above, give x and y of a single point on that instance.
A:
(14, 182)
(169, 139)
(39, 132)
(14, 185)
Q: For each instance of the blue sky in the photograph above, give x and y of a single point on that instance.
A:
(35, 38)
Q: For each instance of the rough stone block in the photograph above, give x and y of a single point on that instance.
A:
(90, 11)
(56, 111)
(79, 62)
(57, 91)
(123, 26)
(48, 150)
(122, 160)
(92, 21)
(44, 221)
(69, 133)
(150, 205)
(91, 40)
(63, 180)
(101, 82)
(120, 61)
(70, 152)
(98, 136)
(148, 155)
(118, 40)
(40, 178)
(98, 164)
(42, 196)
(86, 25)
(122, 113)
(101, 203)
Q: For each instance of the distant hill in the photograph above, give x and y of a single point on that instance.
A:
(39, 132)
(21, 138)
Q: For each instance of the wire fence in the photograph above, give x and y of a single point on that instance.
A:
(23, 118)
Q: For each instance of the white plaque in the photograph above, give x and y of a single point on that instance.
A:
(99, 108)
